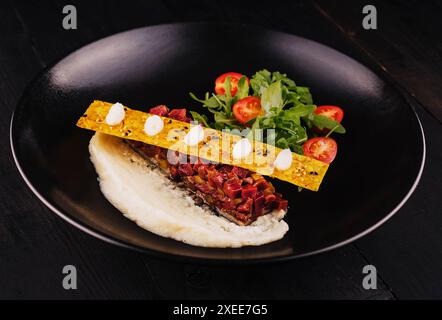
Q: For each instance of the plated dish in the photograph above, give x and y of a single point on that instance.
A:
(378, 163)
(266, 123)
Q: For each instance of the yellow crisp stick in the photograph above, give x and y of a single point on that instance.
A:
(216, 146)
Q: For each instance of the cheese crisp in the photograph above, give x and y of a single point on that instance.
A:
(206, 143)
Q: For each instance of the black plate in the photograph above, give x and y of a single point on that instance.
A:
(379, 162)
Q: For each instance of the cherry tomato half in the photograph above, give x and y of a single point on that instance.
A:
(247, 109)
(321, 148)
(331, 112)
(234, 78)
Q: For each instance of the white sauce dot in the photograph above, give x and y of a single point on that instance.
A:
(153, 125)
(284, 160)
(194, 136)
(242, 149)
(115, 115)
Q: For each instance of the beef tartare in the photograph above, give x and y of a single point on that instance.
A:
(236, 193)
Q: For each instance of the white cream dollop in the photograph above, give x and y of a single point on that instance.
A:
(242, 149)
(115, 115)
(283, 160)
(153, 125)
(194, 136)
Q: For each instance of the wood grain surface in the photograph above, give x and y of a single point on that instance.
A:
(407, 251)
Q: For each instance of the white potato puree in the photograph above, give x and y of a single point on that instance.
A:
(147, 197)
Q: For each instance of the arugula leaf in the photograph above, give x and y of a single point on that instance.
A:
(277, 76)
(272, 97)
(291, 93)
(301, 110)
(293, 132)
(260, 80)
(201, 118)
(289, 132)
(243, 88)
(227, 122)
(227, 102)
(216, 103)
(210, 102)
(321, 122)
(221, 106)
(227, 86)
(304, 95)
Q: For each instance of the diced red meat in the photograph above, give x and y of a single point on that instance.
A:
(248, 192)
(202, 171)
(240, 172)
(259, 204)
(281, 204)
(174, 173)
(225, 168)
(217, 179)
(233, 177)
(189, 181)
(196, 165)
(228, 204)
(261, 184)
(270, 198)
(232, 188)
(179, 114)
(160, 110)
(204, 188)
(247, 180)
(219, 194)
(185, 169)
(246, 206)
(243, 216)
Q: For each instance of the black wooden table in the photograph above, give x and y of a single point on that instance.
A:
(407, 250)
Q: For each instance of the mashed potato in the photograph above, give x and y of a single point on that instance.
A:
(147, 197)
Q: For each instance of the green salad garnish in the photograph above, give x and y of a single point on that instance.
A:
(270, 100)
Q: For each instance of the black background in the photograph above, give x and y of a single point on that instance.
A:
(407, 250)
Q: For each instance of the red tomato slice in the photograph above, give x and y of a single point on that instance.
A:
(321, 148)
(234, 78)
(331, 112)
(247, 109)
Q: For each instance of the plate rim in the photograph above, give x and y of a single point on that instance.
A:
(207, 260)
